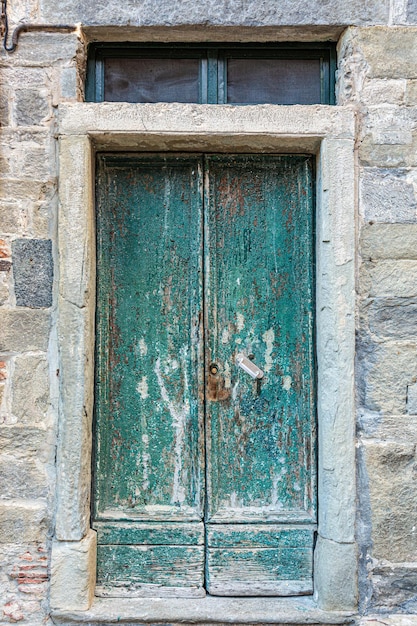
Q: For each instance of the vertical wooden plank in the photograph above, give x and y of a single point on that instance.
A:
(259, 284)
(149, 418)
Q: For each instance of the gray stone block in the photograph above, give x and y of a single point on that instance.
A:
(393, 317)
(30, 107)
(22, 330)
(394, 587)
(23, 522)
(216, 12)
(33, 272)
(383, 372)
(391, 470)
(412, 12)
(388, 241)
(412, 399)
(387, 196)
(30, 396)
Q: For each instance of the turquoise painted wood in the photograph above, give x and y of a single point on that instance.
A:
(203, 476)
(149, 410)
(259, 289)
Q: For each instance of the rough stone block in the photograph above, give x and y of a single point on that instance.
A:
(23, 522)
(4, 108)
(12, 218)
(393, 318)
(220, 12)
(412, 400)
(391, 471)
(389, 52)
(25, 442)
(388, 278)
(383, 91)
(69, 83)
(31, 107)
(21, 330)
(375, 155)
(30, 396)
(388, 196)
(33, 272)
(383, 373)
(412, 12)
(395, 587)
(22, 478)
(73, 573)
(388, 241)
(335, 591)
(411, 93)
(44, 49)
(385, 427)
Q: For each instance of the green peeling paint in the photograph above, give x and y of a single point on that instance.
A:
(199, 259)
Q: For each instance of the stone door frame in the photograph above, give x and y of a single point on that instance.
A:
(325, 131)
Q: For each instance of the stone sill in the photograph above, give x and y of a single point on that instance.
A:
(208, 610)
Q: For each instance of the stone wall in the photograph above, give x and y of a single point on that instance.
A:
(377, 77)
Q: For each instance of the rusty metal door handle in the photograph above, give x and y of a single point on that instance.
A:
(248, 366)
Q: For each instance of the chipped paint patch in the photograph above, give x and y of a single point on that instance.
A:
(286, 382)
(268, 337)
(143, 348)
(142, 388)
(240, 323)
(179, 416)
(225, 336)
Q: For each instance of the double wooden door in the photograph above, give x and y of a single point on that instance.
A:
(204, 477)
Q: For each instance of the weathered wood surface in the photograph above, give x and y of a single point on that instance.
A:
(149, 416)
(255, 245)
(259, 277)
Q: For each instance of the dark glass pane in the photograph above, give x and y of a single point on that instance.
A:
(151, 80)
(273, 81)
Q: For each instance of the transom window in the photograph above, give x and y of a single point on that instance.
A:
(212, 74)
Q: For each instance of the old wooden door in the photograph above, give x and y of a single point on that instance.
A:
(204, 478)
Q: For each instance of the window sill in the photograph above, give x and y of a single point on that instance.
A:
(208, 610)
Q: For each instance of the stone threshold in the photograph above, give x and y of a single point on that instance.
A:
(203, 611)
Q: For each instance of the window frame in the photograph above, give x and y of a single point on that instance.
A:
(213, 61)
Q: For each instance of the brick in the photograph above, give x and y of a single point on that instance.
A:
(388, 241)
(391, 469)
(30, 396)
(33, 272)
(388, 196)
(31, 107)
(23, 330)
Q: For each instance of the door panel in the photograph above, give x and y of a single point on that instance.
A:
(259, 302)
(154, 381)
(149, 417)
